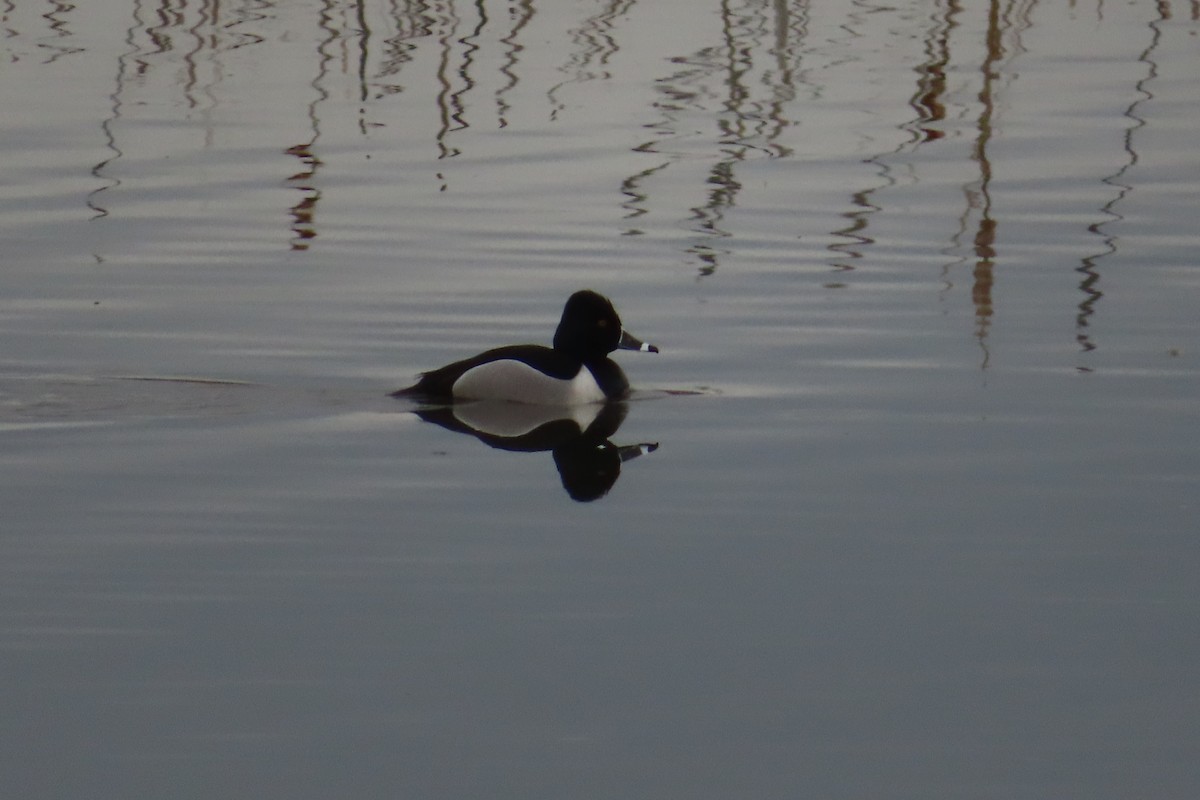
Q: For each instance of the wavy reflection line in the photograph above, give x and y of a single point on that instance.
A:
(855, 232)
(743, 35)
(929, 104)
(470, 46)
(414, 21)
(363, 41)
(740, 38)
(7, 9)
(304, 212)
(718, 82)
(745, 125)
(984, 241)
(756, 124)
(512, 51)
(160, 35)
(216, 69)
(364, 49)
(57, 23)
(190, 63)
(783, 88)
(116, 106)
(247, 14)
(595, 47)
(1090, 274)
(976, 220)
(450, 100)
(858, 220)
(1019, 18)
(929, 101)
(631, 188)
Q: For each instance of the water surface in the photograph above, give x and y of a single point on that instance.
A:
(921, 518)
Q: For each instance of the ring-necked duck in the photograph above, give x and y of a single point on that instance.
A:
(576, 370)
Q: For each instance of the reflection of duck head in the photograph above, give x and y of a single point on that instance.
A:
(578, 438)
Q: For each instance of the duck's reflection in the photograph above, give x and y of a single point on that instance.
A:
(577, 437)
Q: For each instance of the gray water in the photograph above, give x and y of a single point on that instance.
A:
(921, 521)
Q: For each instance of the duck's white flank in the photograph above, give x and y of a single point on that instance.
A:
(518, 382)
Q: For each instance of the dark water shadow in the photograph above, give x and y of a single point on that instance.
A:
(578, 438)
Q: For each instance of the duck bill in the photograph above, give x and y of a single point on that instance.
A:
(630, 342)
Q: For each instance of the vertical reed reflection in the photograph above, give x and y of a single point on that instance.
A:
(451, 112)
(521, 13)
(364, 48)
(1089, 284)
(929, 102)
(594, 46)
(854, 235)
(978, 192)
(717, 83)
(724, 101)
(56, 21)
(412, 22)
(99, 171)
(304, 211)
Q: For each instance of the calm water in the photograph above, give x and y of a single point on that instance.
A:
(921, 521)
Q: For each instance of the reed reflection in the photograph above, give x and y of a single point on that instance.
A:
(979, 194)
(578, 438)
(593, 45)
(412, 22)
(100, 170)
(741, 85)
(56, 21)
(521, 13)
(1089, 284)
(304, 211)
(930, 103)
(725, 99)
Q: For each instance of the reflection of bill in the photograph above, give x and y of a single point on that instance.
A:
(578, 438)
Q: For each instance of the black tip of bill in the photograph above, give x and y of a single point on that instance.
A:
(629, 342)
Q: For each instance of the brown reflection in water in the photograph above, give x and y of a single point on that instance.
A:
(737, 92)
(304, 211)
(192, 37)
(929, 101)
(977, 220)
(980, 193)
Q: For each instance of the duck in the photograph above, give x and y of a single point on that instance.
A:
(575, 371)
